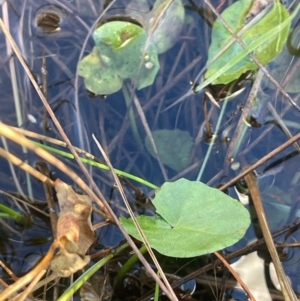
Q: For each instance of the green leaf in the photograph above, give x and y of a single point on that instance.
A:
(97, 77)
(192, 219)
(221, 38)
(117, 34)
(122, 48)
(121, 52)
(245, 52)
(174, 147)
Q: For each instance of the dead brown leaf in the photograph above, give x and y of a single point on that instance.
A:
(256, 8)
(74, 230)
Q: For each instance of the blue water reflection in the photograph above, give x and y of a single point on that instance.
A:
(82, 114)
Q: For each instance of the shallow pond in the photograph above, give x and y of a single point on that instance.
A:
(62, 33)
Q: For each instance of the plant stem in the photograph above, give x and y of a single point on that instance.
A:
(89, 273)
(127, 267)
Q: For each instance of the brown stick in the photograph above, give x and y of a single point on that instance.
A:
(285, 285)
(43, 168)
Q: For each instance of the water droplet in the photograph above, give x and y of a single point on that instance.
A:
(31, 118)
(149, 65)
(235, 165)
(105, 59)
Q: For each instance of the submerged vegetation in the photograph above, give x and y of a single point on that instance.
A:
(101, 197)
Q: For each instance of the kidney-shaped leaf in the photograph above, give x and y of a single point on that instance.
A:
(192, 219)
(235, 15)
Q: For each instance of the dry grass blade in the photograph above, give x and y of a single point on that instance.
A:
(11, 274)
(6, 131)
(281, 123)
(24, 295)
(285, 285)
(149, 134)
(20, 200)
(58, 126)
(12, 69)
(23, 165)
(31, 275)
(40, 137)
(170, 293)
(235, 275)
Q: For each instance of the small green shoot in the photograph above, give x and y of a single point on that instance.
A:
(156, 293)
(127, 267)
(12, 214)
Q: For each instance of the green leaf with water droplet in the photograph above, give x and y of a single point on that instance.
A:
(249, 33)
(192, 219)
(98, 78)
(122, 48)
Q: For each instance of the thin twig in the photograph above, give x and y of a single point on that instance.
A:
(45, 89)
(261, 161)
(166, 288)
(43, 168)
(30, 275)
(281, 123)
(149, 134)
(7, 132)
(235, 275)
(23, 165)
(57, 124)
(19, 200)
(232, 148)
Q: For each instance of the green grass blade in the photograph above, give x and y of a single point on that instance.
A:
(10, 213)
(98, 165)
